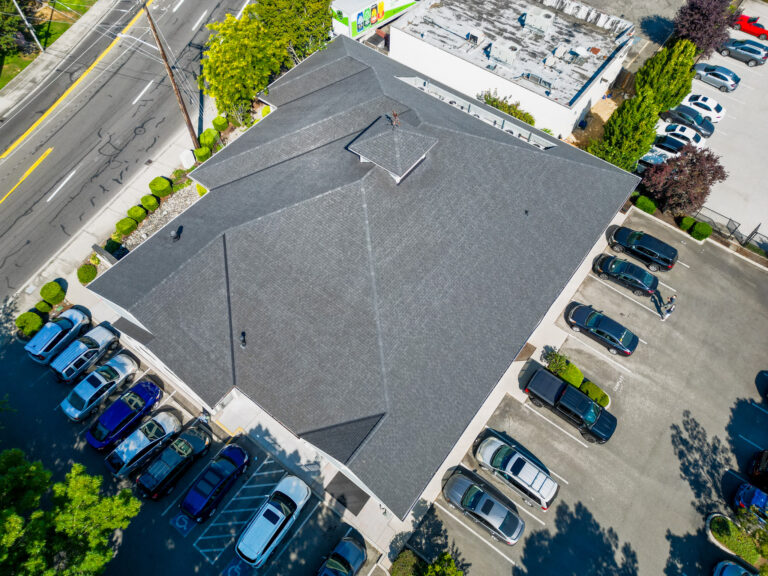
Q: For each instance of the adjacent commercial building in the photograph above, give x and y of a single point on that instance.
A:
(360, 18)
(555, 57)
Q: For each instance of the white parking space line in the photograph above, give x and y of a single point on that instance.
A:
(260, 485)
(558, 475)
(141, 94)
(177, 6)
(473, 531)
(738, 475)
(596, 351)
(758, 407)
(199, 21)
(641, 340)
(229, 523)
(531, 514)
(60, 186)
(298, 528)
(750, 442)
(683, 263)
(722, 132)
(667, 286)
(652, 311)
(563, 430)
(166, 399)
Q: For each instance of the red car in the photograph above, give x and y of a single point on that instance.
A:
(749, 25)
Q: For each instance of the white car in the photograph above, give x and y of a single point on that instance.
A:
(143, 442)
(56, 335)
(97, 386)
(680, 132)
(272, 521)
(708, 107)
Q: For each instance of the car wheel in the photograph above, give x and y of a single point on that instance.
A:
(575, 328)
(617, 248)
(752, 63)
(723, 89)
(589, 438)
(698, 76)
(639, 292)
(212, 512)
(493, 537)
(708, 118)
(603, 276)
(536, 402)
(113, 346)
(762, 36)
(613, 351)
(737, 26)
(653, 267)
(725, 52)
(170, 489)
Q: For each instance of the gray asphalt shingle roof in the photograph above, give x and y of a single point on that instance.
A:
(378, 316)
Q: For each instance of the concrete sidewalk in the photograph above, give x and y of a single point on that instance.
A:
(34, 76)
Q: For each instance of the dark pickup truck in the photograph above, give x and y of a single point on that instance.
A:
(595, 423)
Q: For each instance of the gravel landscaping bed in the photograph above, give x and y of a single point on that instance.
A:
(171, 207)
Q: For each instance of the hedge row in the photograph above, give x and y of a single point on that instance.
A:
(595, 393)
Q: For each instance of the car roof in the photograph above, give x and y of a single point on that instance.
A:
(260, 530)
(44, 335)
(294, 488)
(167, 420)
(68, 355)
(492, 510)
(101, 334)
(122, 362)
(533, 476)
(116, 413)
(610, 325)
(648, 241)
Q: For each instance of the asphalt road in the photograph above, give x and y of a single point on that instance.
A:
(120, 114)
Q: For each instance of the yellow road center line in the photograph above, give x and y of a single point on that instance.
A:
(27, 173)
(69, 90)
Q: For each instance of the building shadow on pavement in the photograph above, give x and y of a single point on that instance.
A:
(657, 28)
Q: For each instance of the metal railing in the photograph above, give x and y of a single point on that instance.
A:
(729, 229)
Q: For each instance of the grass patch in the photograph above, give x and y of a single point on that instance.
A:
(11, 65)
(756, 250)
(729, 535)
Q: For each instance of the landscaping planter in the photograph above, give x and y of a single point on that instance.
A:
(710, 519)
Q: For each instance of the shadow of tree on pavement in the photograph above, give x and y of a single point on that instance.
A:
(579, 546)
(691, 554)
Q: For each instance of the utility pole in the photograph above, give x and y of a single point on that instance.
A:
(31, 30)
(170, 76)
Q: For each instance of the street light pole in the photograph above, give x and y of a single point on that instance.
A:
(170, 76)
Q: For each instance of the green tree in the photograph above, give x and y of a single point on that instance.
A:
(511, 108)
(668, 74)
(443, 566)
(303, 27)
(11, 23)
(241, 59)
(629, 132)
(73, 536)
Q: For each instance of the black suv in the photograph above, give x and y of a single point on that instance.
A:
(641, 283)
(651, 251)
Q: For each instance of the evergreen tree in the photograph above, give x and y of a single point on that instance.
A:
(629, 132)
(668, 74)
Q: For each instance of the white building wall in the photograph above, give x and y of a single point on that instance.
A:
(471, 79)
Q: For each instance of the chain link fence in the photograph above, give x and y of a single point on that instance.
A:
(729, 229)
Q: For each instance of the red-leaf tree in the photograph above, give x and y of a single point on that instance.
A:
(682, 184)
(705, 23)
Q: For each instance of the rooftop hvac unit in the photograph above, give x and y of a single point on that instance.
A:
(539, 20)
(504, 54)
(561, 51)
(474, 37)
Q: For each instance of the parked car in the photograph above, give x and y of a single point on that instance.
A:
(750, 25)
(707, 107)
(718, 76)
(596, 424)
(518, 469)
(690, 117)
(754, 500)
(728, 568)
(56, 334)
(83, 353)
(345, 560)
(272, 521)
(120, 417)
(758, 470)
(484, 506)
(95, 388)
(161, 474)
(748, 51)
(651, 251)
(596, 325)
(214, 482)
(668, 145)
(629, 275)
(142, 443)
(683, 133)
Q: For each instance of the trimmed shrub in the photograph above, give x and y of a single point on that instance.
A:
(29, 323)
(220, 123)
(160, 186)
(407, 564)
(203, 153)
(572, 375)
(686, 223)
(201, 191)
(734, 538)
(43, 307)
(181, 184)
(150, 202)
(265, 111)
(116, 237)
(137, 213)
(113, 245)
(209, 138)
(52, 293)
(125, 226)
(94, 259)
(645, 204)
(595, 393)
(701, 231)
(86, 273)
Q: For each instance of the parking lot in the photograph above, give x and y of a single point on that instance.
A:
(690, 411)
(738, 139)
(160, 539)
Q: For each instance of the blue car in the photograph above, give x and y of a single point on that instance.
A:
(754, 500)
(125, 412)
(214, 482)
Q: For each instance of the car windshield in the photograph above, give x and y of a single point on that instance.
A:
(134, 401)
(590, 416)
(592, 320)
(626, 337)
(472, 497)
(718, 108)
(76, 401)
(616, 266)
(339, 565)
(645, 277)
(152, 430)
(502, 457)
(633, 238)
(108, 372)
(284, 503)
(510, 524)
(89, 342)
(63, 323)
(99, 431)
(181, 447)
